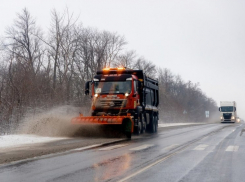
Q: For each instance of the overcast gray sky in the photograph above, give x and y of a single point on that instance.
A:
(203, 41)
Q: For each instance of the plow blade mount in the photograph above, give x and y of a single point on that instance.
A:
(126, 121)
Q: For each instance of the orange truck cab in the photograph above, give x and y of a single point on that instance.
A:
(125, 97)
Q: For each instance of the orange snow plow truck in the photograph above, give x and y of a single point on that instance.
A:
(123, 97)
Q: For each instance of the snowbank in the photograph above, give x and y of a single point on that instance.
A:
(7, 141)
(162, 125)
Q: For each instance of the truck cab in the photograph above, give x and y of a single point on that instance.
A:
(228, 111)
(114, 94)
(125, 92)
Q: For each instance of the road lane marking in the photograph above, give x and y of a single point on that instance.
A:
(88, 147)
(145, 168)
(113, 147)
(168, 156)
(142, 147)
(201, 147)
(163, 125)
(170, 147)
(232, 148)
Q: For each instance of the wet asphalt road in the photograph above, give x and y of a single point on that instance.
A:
(212, 152)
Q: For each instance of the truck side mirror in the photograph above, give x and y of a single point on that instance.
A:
(219, 108)
(234, 108)
(87, 87)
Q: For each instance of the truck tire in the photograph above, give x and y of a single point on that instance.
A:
(139, 128)
(152, 126)
(143, 123)
(156, 123)
(128, 135)
(126, 127)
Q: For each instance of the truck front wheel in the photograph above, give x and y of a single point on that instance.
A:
(128, 135)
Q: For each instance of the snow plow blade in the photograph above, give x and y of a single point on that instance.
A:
(125, 121)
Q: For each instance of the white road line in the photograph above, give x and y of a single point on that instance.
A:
(163, 125)
(149, 166)
(113, 147)
(201, 147)
(95, 145)
(170, 147)
(142, 147)
(88, 147)
(232, 148)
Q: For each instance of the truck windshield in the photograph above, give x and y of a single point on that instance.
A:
(112, 87)
(227, 109)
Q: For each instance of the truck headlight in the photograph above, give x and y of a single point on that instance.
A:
(221, 117)
(126, 94)
(233, 117)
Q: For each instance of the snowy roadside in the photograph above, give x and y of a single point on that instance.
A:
(8, 141)
(23, 146)
(163, 125)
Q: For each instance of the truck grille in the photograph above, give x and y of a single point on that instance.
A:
(105, 103)
(227, 116)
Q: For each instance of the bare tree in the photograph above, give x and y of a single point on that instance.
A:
(22, 43)
(35, 68)
(148, 66)
(126, 60)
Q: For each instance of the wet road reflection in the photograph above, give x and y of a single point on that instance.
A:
(111, 168)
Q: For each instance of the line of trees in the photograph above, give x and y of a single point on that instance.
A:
(42, 70)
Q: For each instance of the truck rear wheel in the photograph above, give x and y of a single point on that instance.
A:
(139, 128)
(152, 126)
(156, 123)
(143, 123)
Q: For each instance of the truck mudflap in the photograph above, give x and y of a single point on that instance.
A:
(126, 121)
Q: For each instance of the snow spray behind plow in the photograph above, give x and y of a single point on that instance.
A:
(57, 123)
